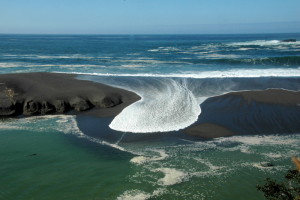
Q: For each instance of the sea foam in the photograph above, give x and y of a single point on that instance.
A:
(145, 159)
(140, 195)
(167, 106)
(230, 73)
(171, 176)
(262, 43)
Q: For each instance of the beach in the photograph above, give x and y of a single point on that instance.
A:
(34, 94)
(53, 93)
(249, 112)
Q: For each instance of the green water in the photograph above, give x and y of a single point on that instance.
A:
(63, 167)
(44, 158)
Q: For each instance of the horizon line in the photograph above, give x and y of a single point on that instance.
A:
(129, 34)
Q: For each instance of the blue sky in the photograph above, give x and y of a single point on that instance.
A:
(149, 16)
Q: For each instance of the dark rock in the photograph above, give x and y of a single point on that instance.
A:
(46, 93)
(108, 102)
(7, 107)
(79, 104)
(289, 40)
(46, 108)
(7, 104)
(267, 164)
(31, 107)
(60, 106)
(34, 154)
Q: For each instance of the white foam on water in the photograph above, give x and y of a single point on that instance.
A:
(140, 160)
(145, 159)
(273, 155)
(248, 145)
(261, 167)
(243, 148)
(149, 61)
(209, 164)
(206, 160)
(153, 50)
(9, 127)
(72, 56)
(232, 73)
(171, 176)
(257, 42)
(164, 49)
(245, 49)
(262, 139)
(66, 124)
(134, 195)
(140, 195)
(219, 56)
(63, 123)
(10, 65)
(39, 56)
(133, 66)
(168, 107)
(34, 65)
(102, 142)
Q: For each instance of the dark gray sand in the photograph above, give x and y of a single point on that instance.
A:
(245, 112)
(271, 111)
(270, 96)
(53, 93)
(209, 130)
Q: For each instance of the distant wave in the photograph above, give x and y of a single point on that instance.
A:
(263, 43)
(212, 59)
(285, 60)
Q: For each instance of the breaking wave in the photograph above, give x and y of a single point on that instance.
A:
(263, 43)
(229, 73)
(165, 106)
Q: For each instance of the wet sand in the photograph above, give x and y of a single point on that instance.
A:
(271, 111)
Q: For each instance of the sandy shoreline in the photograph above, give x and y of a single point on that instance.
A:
(54, 93)
(235, 113)
(271, 111)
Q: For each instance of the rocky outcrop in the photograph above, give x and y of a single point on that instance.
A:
(31, 107)
(60, 106)
(108, 102)
(7, 104)
(80, 104)
(46, 108)
(42, 107)
(7, 107)
(50, 93)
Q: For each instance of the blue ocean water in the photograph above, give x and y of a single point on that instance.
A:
(142, 153)
(169, 55)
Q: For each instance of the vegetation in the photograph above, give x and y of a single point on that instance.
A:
(287, 190)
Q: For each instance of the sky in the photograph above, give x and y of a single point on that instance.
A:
(149, 16)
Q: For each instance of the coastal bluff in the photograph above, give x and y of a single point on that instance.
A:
(43, 93)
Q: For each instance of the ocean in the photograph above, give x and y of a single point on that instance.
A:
(142, 153)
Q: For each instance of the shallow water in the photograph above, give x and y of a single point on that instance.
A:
(48, 164)
(41, 164)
